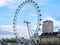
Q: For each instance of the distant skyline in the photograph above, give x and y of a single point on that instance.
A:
(50, 10)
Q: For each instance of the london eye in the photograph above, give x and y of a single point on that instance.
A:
(38, 17)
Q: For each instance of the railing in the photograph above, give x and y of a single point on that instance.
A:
(29, 44)
(12, 44)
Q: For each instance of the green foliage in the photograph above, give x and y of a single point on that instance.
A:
(10, 40)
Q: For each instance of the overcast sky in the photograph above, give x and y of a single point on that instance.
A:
(50, 10)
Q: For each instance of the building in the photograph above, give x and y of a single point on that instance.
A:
(58, 30)
(49, 37)
(47, 26)
(52, 38)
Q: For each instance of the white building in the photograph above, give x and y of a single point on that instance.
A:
(47, 26)
(50, 38)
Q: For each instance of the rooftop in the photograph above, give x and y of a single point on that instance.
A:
(50, 35)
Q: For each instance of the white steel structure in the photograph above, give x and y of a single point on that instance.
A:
(38, 16)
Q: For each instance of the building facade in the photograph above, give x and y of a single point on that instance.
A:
(47, 26)
(50, 37)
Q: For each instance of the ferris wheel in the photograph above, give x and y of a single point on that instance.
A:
(17, 12)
